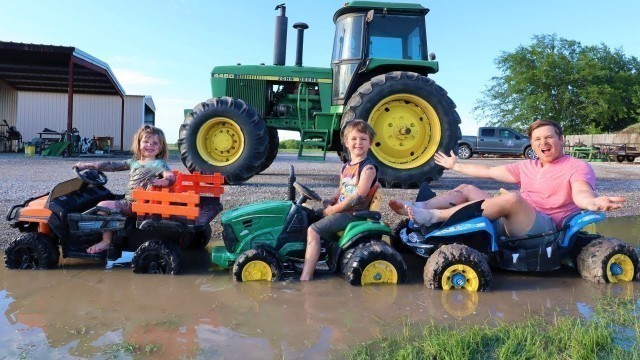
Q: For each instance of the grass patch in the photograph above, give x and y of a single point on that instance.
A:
(612, 333)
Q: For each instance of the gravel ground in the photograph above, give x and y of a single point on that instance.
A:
(24, 177)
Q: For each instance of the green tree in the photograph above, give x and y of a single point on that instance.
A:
(587, 89)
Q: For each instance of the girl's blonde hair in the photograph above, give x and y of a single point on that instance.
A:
(149, 130)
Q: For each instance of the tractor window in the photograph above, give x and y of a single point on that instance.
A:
(347, 43)
(397, 37)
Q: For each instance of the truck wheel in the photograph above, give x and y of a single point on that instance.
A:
(457, 266)
(224, 135)
(256, 265)
(608, 260)
(529, 153)
(630, 158)
(464, 152)
(413, 119)
(157, 257)
(376, 263)
(31, 251)
(620, 158)
(274, 143)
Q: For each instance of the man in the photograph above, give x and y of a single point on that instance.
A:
(551, 188)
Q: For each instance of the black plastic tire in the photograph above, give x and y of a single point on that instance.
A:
(347, 255)
(403, 149)
(376, 263)
(460, 260)
(201, 239)
(396, 241)
(597, 257)
(157, 257)
(31, 251)
(274, 143)
(464, 152)
(257, 265)
(224, 135)
(529, 153)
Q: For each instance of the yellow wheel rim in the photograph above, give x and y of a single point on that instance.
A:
(620, 268)
(407, 131)
(256, 270)
(379, 272)
(459, 303)
(460, 277)
(220, 141)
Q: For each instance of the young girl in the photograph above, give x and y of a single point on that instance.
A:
(147, 167)
(358, 183)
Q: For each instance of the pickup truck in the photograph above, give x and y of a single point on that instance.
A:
(495, 140)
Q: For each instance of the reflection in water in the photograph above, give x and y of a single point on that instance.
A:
(84, 311)
(625, 228)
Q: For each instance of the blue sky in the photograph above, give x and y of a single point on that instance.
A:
(166, 49)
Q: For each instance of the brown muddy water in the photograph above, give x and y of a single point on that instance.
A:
(81, 310)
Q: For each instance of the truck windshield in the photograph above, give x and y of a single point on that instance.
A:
(397, 37)
(347, 43)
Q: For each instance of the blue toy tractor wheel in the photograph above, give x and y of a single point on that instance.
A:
(608, 260)
(457, 266)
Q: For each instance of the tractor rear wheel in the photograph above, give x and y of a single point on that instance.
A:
(376, 263)
(224, 135)
(31, 251)
(413, 119)
(257, 265)
(457, 266)
(608, 260)
(274, 143)
(157, 257)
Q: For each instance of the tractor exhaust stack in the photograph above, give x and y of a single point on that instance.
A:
(301, 27)
(280, 41)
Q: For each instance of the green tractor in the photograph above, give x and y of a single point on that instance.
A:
(379, 73)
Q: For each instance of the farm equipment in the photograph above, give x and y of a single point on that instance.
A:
(263, 240)
(67, 218)
(379, 73)
(460, 251)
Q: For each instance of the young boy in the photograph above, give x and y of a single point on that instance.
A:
(358, 183)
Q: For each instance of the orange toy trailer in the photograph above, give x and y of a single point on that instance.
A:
(68, 220)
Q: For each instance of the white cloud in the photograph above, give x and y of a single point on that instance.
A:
(130, 77)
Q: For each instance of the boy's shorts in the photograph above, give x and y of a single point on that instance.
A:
(329, 226)
(541, 224)
(125, 208)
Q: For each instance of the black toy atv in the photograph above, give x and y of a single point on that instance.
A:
(68, 219)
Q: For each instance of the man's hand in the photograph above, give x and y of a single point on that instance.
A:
(604, 203)
(447, 162)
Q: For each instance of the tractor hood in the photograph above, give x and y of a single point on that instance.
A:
(267, 209)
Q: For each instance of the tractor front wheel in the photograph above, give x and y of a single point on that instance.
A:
(31, 251)
(157, 257)
(457, 267)
(413, 119)
(257, 265)
(375, 263)
(608, 260)
(274, 143)
(224, 135)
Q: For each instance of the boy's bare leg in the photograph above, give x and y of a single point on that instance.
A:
(517, 213)
(311, 255)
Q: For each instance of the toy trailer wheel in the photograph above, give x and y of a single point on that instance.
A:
(31, 251)
(608, 260)
(224, 135)
(157, 257)
(413, 118)
(375, 263)
(457, 267)
(201, 239)
(257, 265)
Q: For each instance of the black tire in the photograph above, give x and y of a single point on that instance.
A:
(457, 260)
(347, 255)
(630, 158)
(31, 251)
(403, 149)
(343, 155)
(529, 153)
(394, 237)
(597, 259)
(620, 158)
(376, 263)
(464, 152)
(157, 257)
(274, 143)
(256, 265)
(224, 135)
(201, 239)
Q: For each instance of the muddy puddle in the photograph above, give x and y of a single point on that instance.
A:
(83, 311)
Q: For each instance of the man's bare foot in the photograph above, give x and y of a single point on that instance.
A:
(99, 247)
(399, 207)
(422, 216)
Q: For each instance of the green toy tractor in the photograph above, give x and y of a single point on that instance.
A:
(379, 73)
(263, 241)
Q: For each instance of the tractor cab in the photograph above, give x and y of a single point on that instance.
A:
(374, 39)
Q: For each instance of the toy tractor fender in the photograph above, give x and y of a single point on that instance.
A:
(359, 231)
(577, 222)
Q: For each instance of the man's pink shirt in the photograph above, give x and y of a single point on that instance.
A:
(548, 188)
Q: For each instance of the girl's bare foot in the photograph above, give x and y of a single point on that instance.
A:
(399, 207)
(99, 247)
(422, 216)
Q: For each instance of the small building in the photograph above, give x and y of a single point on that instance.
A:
(61, 88)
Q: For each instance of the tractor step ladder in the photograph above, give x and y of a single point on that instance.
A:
(311, 139)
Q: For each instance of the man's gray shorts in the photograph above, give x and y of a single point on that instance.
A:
(541, 224)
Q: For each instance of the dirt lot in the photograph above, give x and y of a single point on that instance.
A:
(24, 177)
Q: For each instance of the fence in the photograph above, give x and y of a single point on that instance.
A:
(590, 139)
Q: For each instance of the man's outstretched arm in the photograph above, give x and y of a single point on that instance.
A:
(584, 196)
